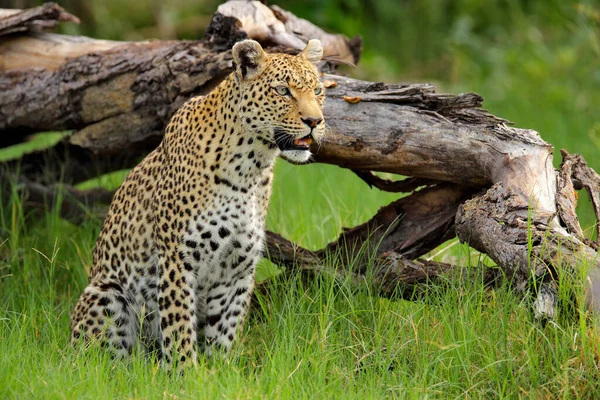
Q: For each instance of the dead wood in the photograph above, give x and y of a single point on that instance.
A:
(36, 19)
(514, 229)
(404, 129)
(566, 197)
(587, 178)
(274, 26)
(400, 186)
(470, 174)
(411, 226)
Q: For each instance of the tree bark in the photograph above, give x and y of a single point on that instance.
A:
(36, 19)
(471, 174)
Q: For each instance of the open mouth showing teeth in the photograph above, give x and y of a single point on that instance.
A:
(288, 142)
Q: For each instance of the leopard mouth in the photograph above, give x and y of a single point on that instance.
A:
(287, 142)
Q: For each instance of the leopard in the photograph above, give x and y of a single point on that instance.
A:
(173, 268)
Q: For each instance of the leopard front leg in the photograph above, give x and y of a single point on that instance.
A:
(228, 302)
(177, 311)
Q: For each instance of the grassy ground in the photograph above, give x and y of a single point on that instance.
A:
(323, 339)
(536, 65)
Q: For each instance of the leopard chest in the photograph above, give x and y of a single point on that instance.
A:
(220, 238)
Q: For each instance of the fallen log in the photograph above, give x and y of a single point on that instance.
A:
(470, 174)
(36, 19)
(118, 96)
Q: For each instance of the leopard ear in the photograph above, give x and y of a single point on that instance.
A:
(313, 51)
(250, 59)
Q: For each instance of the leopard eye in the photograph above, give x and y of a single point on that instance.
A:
(282, 91)
(318, 91)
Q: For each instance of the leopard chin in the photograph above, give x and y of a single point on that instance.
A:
(296, 156)
(293, 149)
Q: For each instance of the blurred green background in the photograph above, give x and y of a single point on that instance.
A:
(536, 62)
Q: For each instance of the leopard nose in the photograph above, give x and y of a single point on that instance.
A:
(312, 122)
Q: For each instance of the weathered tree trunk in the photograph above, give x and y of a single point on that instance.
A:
(470, 174)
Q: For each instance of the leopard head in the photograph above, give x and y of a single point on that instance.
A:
(281, 97)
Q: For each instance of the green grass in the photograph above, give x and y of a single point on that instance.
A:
(36, 142)
(317, 339)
